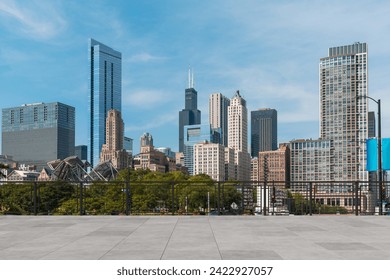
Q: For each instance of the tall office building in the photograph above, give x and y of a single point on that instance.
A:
(218, 115)
(264, 131)
(146, 139)
(81, 151)
(128, 145)
(238, 123)
(37, 133)
(190, 114)
(238, 136)
(105, 93)
(113, 148)
(344, 109)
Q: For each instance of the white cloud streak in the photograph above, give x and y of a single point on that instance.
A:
(145, 57)
(157, 122)
(35, 19)
(145, 98)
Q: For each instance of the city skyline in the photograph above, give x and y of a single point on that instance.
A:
(270, 52)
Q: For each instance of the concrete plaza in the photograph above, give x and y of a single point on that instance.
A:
(195, 237)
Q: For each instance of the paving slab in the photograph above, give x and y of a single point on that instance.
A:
(335, 237)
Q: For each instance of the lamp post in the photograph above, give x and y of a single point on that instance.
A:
(380, 171)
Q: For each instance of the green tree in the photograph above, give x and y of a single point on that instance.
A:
(2, 166)
(16, 199)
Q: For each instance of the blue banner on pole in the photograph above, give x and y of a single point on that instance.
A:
(386, 153)
(372, 154)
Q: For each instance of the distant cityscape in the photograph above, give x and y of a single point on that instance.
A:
(35, 134)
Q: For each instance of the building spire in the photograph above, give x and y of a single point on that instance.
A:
(191, 82)
(189, 76)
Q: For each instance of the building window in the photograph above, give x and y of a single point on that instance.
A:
(35, 114)
(21, 116)
(45, 113)
(12, 116)
(56, 112)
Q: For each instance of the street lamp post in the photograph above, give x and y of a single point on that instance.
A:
(380, 171)
(380, 157)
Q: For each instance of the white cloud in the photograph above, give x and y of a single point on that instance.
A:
(156, 122)
(145, 57)
(36, 19)
(145, 98)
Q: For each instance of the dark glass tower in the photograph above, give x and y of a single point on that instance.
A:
(264, 135)
(190, 114)
(105, 93)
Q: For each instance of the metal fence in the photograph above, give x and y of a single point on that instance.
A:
(193, 198)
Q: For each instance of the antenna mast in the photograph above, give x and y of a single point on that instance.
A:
(189, 76)
(193, 82)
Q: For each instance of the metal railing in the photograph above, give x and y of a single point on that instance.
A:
(191, 198)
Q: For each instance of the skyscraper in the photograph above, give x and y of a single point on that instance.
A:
(238, 123)
(113, 148)
(190, 114)
(344, 109)
(128, 145)
(105, 93)
(81, 151)
(37, 133)
(264, 131)
(146, 139)
(238, 136)
(218, 115)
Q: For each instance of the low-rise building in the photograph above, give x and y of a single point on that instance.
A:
(19, 175)
(209, 158)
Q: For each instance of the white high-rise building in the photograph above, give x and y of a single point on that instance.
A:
(229, 164)
(238, 123)
(218, 115)
(238, 136)
(209, 158)
(344, 108)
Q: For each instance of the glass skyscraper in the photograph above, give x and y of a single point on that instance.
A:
(344, 108)
(37, 133)
(218, 115)
(105, 93)
(190, 114)
(264, 131)
(81, 151)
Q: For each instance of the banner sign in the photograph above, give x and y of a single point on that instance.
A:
(372, 154)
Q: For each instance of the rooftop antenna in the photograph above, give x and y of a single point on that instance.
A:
(192, 82)
(189, 76)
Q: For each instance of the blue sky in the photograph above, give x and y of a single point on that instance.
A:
(269, 50)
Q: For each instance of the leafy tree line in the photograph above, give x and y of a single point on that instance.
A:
(150, 193)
